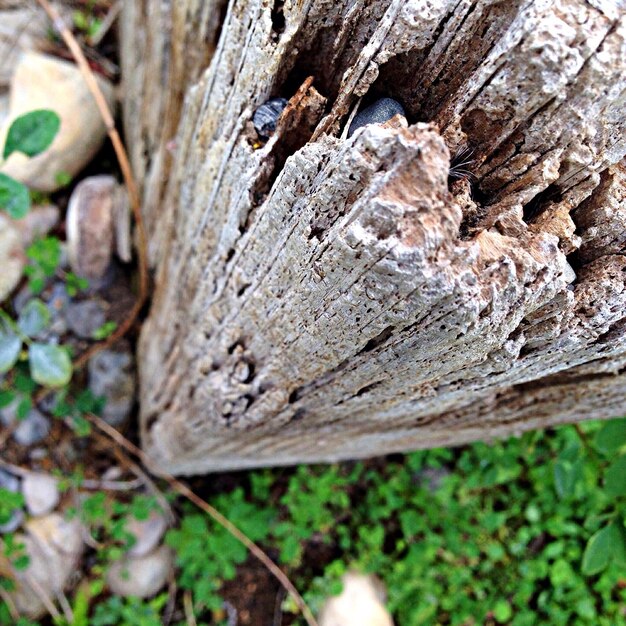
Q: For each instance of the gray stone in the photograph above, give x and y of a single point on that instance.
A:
(90, 226)
(41, 493)
(17, 517)
(84, 318)
(147, 533)
(33, 429)
(58, 300)
(266, 116)
(111, 374)
(378, 113)
(141, 576)
(9, 481)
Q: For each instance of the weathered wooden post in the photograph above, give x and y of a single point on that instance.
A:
(321, 297)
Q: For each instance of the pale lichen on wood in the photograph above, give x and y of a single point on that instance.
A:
(320, 298)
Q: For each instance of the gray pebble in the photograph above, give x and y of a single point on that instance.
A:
(29, 431)
(9, 481)
(141, 576)
(33, 429)
(378, 113)
(147, 533)
(111, 374)
(58, 301)
(266, 116)
(84, 318)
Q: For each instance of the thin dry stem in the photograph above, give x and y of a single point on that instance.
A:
(188, 606)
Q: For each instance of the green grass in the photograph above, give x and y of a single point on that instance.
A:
(486, 534)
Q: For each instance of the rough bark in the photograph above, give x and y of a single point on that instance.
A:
(320, 298)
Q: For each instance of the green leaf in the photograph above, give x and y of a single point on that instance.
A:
(598, 551)
(565, 476)
(10, 346)
(6, 398)
(50, 365)
(34, 317)
(611, 437)
(23, 408)
(14, 197)
(502, 611)
(32, 133)
(619, 543)
(615, 478)
(106, 330)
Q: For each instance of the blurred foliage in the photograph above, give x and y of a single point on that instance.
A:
(523, 532)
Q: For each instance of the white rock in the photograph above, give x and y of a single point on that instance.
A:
(141, 576)
(54, 547)
(41, 493)
(41, 81)
(359, 604)
(12, 258)
(90, 233)
(147, 533)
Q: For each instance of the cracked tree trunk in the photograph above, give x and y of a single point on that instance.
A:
(321, 298)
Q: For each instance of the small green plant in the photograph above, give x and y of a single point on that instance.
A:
(207, 554)
(44, 257)
(50, 364)
(30, 134)
(86, 22)
(117, 611)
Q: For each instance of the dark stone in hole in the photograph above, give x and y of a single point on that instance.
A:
(266, 117)
(381, 111)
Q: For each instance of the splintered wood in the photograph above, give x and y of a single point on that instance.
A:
(320, 298)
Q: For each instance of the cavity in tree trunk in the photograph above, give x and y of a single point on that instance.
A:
(320, 297)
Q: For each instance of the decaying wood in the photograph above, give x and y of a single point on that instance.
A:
(320, 298)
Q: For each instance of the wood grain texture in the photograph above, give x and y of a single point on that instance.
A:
(320, 298)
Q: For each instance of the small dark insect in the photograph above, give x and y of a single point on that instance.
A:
(266, 116)
(459, 165)
(381, 111)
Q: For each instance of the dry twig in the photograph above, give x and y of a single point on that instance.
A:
(188, 606)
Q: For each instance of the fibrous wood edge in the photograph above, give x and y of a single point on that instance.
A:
(344, 302)
(165, 46)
